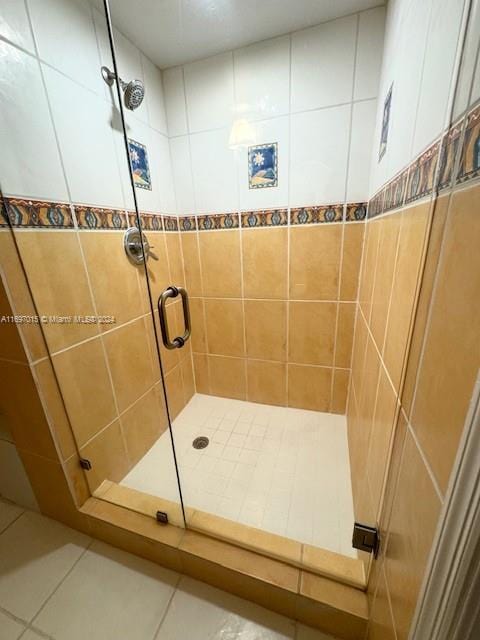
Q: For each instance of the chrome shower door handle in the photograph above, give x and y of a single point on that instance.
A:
(179, 341)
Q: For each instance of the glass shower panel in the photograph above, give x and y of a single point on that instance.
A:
(254, 394)
(67, 204)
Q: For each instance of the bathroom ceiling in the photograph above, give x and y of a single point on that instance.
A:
(173, 32)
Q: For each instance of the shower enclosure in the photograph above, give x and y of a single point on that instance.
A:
(191, 244)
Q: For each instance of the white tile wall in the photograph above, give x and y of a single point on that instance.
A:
(214, 172)
(182, 174)
(368, 62)
(421, 42)
(209, 92)
(72, 102)
(465, 91)
(65, 37)
(262, 78)
(363, 126)
(29, 163)
(285, 88)
(14, 25)
(175, 101)
(320, 141)
(323, 60)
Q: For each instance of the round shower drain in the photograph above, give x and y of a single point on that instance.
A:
(201, 442)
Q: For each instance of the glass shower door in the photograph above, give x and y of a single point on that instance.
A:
(67, 205)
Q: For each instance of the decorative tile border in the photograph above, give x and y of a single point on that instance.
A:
(264, 218)
(170, 223)
(417, 180)
(217, 221)
(149, 221)
(37, 214)
(316, 215)
(187, 223)
(469, 167)
(94, 218)
(355, 211)
(450, 142)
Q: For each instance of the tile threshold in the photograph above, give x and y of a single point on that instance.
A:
(321, 562)
(338, 609)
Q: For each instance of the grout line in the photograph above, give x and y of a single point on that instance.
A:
(426, 463)
(16, 517)
(60, 583)
(167, 608)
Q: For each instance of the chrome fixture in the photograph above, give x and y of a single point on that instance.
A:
(137, 246)
(133, 91)
(179, 341)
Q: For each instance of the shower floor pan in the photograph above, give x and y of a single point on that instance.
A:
(285, 471)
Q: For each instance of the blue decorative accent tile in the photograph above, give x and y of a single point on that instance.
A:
(387, 107)
(317, 215)
(187, 223)
(36, 213)
(263, 166)
(97, 218)
(356, 212)
(265, 218)
(469, 166)
(140, 168)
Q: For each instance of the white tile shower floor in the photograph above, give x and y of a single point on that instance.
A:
(279, 469)
(59, 584)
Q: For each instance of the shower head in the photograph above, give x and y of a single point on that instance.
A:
(133, 91)
(133, 94)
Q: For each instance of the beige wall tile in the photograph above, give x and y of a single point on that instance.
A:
(266, 329)
(129, 358)
(191, 258)
(115, 283)
(227, 377)
(315, 262)
(409, 543)
(421, 315)
(341, 379)
(186, 367)
(224, 324)
(175, 395)
(352, 256)
(77, 480)
(452, 349)
(21, 406)
(309, 387)
(143, 423)
(381, 625)
(86, 388)
(199, 342)
(52, 492)
(20, 298)
(158, 271)
(381, 437)
(358, 349)
(344, 338)
(220, 261)
(382, 289)
(11, 347)
(200, 367)
(53, 404)
(265, 263)
(107, 453)
(400, 433)
(407, 273)
(311, 328)
(60, 287)
(367, 277)
(267, 382)
(175, 259)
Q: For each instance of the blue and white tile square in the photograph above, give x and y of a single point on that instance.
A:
(263, 166)
(140, 168)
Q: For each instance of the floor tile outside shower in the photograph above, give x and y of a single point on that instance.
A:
(59, 584)
(278, 469)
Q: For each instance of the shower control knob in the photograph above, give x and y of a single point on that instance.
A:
(136, 246)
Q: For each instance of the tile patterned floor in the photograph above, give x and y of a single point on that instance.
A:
(282, 470)
(58, 584)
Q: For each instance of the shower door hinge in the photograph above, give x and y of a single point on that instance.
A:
(365, 538)
(162, 517)
(85, 464)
